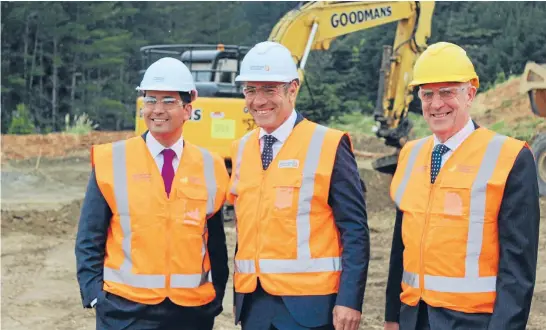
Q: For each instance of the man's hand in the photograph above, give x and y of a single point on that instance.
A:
(346, 318)
(391, 326)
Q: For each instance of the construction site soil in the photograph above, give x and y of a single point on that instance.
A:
(43, 184)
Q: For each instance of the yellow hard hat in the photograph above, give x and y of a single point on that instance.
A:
(444, 62)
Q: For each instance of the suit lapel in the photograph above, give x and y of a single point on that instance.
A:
(299, 118)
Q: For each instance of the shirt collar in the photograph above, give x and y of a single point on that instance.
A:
(156, 148)
(456, 140)
(283, 132)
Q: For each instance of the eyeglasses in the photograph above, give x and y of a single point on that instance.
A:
(446, 93)
(250, 92)
(168, 103)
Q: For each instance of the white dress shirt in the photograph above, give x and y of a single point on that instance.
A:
(156, 149)
(456, 140)
(281, 133)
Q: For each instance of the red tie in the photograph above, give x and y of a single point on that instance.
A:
(167, 172)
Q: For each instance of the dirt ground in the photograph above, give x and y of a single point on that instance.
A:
(43, 183)
(40, 210)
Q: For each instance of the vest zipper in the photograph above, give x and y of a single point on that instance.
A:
(423, 237)
(258, 241)
(168, 250)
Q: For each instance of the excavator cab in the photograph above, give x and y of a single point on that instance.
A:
(219, 115)
(533, 82)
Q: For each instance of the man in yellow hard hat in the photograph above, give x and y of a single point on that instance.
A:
(150, 249)
(302, 235)
(465, 243)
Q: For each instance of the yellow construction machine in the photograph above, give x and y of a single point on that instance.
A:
(219, 113)
(533, 82)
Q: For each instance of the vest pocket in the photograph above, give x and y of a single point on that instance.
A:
(452, 204)
(193, 206)
(285, 195)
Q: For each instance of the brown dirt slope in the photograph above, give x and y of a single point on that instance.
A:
(505, 103)
(54, 144)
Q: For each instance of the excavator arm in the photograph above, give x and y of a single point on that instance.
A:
(314, 25)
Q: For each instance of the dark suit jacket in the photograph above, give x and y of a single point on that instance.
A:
(346, 198)
(91, 240)
(518, 228)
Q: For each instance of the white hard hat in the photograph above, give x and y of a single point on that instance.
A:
(168, 74)
(268, 61)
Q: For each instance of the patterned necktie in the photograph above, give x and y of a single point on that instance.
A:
(267, 153)
(436, 162)
(167, 172)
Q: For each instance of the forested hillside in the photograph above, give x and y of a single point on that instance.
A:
(77, 58)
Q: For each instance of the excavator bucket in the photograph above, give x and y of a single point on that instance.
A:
(533, 82)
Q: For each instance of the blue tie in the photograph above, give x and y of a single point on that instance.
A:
(436, 162)
(267, 153)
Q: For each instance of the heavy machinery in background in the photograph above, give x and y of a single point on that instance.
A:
(219, 114)
(533, 82)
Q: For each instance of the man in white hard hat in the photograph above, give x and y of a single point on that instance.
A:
(302, 236)
(150, 247)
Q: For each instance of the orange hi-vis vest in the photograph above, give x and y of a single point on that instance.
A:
(156, 246)
(286, 232)
(449, 228)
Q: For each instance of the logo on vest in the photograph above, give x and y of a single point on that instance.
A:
(142, 177)
(192, 180)
(420, 169)
(289, 163)
(192, 218)
(464, 168)
(453, 204)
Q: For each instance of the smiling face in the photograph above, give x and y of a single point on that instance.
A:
(165, 114)
(270, 103)
(446, 107)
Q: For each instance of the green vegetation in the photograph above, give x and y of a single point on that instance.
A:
(354, 123)
(525, 129)
(81, 124)
(21, 123)
(77, 58)
(362, 124)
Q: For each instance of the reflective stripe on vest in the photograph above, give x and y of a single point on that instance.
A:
(237, 170)
(472, 282)
(124, 275)
(303, 263)
(210, 180)
(412, 158)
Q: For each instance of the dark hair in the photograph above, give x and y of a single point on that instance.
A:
(185, 97)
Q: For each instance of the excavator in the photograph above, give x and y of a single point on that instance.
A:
(219, 115)
(533, 82)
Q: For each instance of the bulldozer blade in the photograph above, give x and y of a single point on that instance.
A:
(386, 164)
(538, 102)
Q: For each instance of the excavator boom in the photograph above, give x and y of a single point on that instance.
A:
(315, 25)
